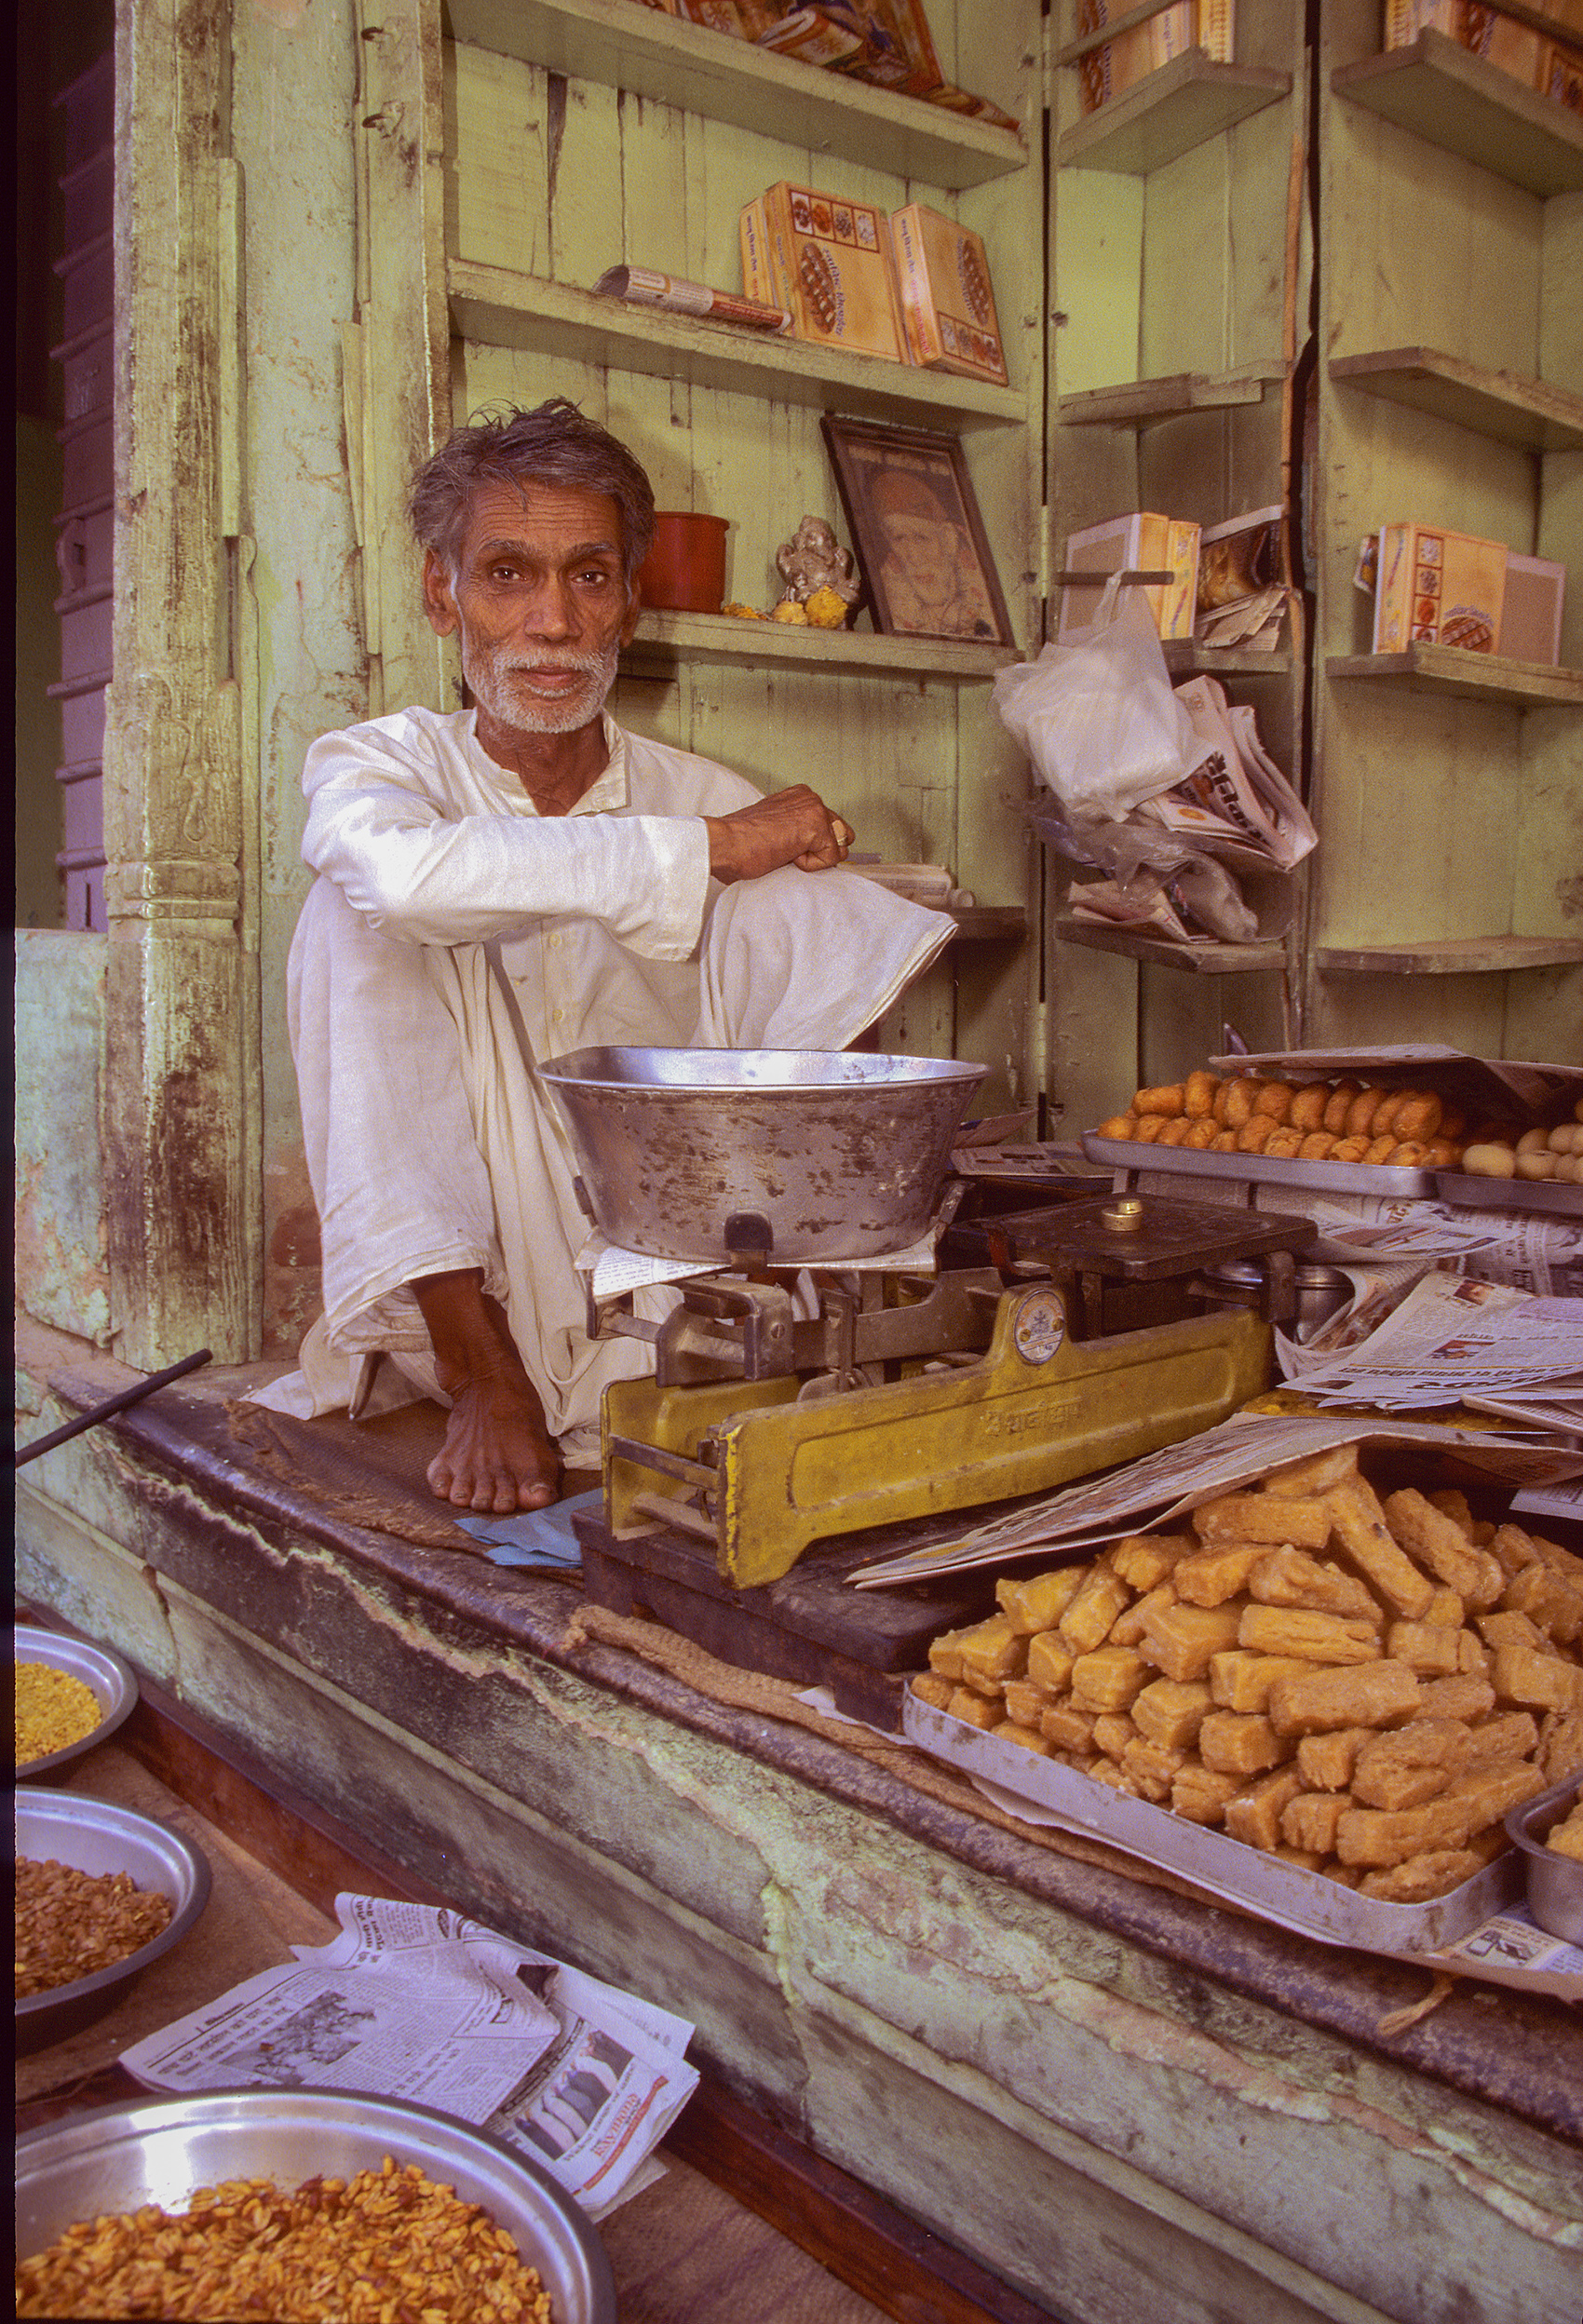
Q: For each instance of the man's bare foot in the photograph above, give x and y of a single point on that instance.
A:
(498, 1456)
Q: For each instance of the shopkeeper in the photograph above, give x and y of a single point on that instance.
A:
(507, 882)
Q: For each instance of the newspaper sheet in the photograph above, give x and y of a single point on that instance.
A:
(1163, 1486)
(411, 2001)
(1451, 1339)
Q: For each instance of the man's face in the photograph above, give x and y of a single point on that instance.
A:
(540, 603)
(926, 551)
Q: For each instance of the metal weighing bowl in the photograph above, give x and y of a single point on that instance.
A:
(162, 2150)
(840, 1153)
(93, 1836)
(1555, 1882)
(112, 1684)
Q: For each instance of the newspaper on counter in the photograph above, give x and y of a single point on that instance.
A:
(411, 2001)
(1164, 1486)
(1454, 1340)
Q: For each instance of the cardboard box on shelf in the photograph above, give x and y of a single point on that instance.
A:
(1530, 609)
(947, 299)
(1438, 588)
(830, 262)
(1515, 48)
(1141, 543)
(1107, 73)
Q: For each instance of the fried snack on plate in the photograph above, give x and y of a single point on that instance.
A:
(1309, 1819)
(1037, 1602)
(1119, 1125)
(1408, 1154)
(1201, 1133)
(1435, 1873)
(1436, 1542)
(1275, 1099)
(1256, 1134)
(1051, 1661)
(1323, 1637)
(1266, 1517)
(1142, 1559)
(1380, 1149)
(1254, 1814)
(1308, 1104)
(1406, 1766)
(1359, 1523)
(1237, 1743)
(1180, 1639)
(1200, 1795)
(1166, 1100)
(1129, 1625)
(975, 1711)
(1171, 1712)
(1349, 1150)
(1108, 1678)
(930, 1687)
(1286, 1576)
(1378, 1694)
(1325, 1761)
(1085, 1623)
(1283, 1144)
(1242, 1681)
(1216, 1574)
(1306, 1479)
(1149, 1127)
(1175, 1131)
(1361, 1113)
(1466, 1696)
(1338, 1105)
(1069, 1730)
(1567, 1839)
(1386, 1113)
(1419, 1115)
(1317, 1146)
(1198, 1095)
(1433, 1649)
(1235, 1106)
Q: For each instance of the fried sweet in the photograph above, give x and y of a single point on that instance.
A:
(930, 1687)
(1051, 1661)
(1513, 1736)
(1152, 1768)
(1164, 1101)
(1466, 1696)
(1540, 1682)
(1025, 1703)
(1171, 1712)
(1237, 1743)
(1216, 1574)
(1360, 1525)
(1069, 1730)
(1306, 1479)
(1143, 1560)
(1434, 1541)
(1309, 1819)
(1309, 1636)
(1108, 1678)
(1180, 1639)
(1112, 1732)
(1254, 1814)
(1434, 1873)
(1407, 1765)
(1027, 1738)
(1288, 1576)
(1338, 1105)
(1198, 1095)
(1037, 1602)
(1378, 1694)
(1242, 1681)
(1200, 1793)
(1433, 1649)
(1304, 1521)
(975, 1711)
(1129, 1625)
(1099, 1600)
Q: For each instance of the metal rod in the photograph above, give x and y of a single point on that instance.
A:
(1099, 580)
(103, 1412)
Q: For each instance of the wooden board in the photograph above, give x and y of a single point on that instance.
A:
(1183, 104)
(1534, 413)
(1444, 93)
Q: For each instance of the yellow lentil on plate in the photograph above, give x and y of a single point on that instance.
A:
(386, 2246)
(53, 1710)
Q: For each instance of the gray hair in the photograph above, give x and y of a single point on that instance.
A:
(555, 443)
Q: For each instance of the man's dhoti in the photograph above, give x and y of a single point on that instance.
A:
(433, 1146)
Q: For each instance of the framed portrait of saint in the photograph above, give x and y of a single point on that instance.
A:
(922, 550)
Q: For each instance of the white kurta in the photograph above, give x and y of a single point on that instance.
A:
(450, 925)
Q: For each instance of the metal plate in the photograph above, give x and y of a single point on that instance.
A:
(94, 1837)
(1509, 1194)
(1555, 1881)
(160, 2150)
(108, 1677)
(1287, 1893)
(1330, 1178)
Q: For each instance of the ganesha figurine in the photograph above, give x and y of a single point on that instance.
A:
(817, 573)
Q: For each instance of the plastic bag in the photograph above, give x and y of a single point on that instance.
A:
(1144, 861)
(1099, 720)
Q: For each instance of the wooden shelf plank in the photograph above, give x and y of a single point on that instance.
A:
(989, 923)
(1533, 413)
(1453, 99)
(1184, 658)
(1183, 105)
(501, 309)
(669, 638)
(1136, 401)
(1450, 956)
(697, 70)
(1203, 960)
(1475, 677)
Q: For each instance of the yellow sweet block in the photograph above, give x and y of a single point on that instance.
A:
(1037, 1602)
(1216, 1574)
(1238, 1745)
(1128, 1626)
(1026, 1738)
(1407, 1765)
(1254, 1814)
(1359, 1526)
(1200, 1793)
(1050, 1661)
(1325, 1761)
(1285, 1576)
(991, 1650)
(1143, 1560)
(1427, 1647)
(975, 1711)
(1241, 1680)
(1301, 1479)
(1171, 1711)
(1446, 1610)
(1513, 1736)
(1431, 1874)
(1540, 1682)
(1107, 1678)
(1085, 1623)
(1437, 1543)
(1309, 1820)
(1025, 1702)
(1114, 1731)
(1307, 1637)
(1377, 1695)
(1263, 1517)
(1466, 1694)
(1181, 1639)
(1069, 1730)
(1151, 1768)
(931, 1688)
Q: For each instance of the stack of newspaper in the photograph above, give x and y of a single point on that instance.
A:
(1482, 1345)
(414, 2002)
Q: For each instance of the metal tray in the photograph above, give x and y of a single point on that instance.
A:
(107, 1677)
(1330, 1178)
(1509, 1194)
(1287, 1893)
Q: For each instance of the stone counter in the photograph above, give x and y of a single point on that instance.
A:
(1123, 2100)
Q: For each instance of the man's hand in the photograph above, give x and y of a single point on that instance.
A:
(789, 827)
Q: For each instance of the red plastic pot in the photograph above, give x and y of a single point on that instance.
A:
(684, 571)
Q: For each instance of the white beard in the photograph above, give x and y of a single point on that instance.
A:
(493, 673)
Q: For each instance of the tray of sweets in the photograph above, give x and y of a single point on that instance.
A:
(1553, 1196)
(1262, 1884)
(1330, 1178)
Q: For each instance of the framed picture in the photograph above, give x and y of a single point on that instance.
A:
(920, 542)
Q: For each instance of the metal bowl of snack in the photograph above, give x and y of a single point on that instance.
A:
(1555, 1880)
(95, 1837)
(161, 2151)
(689, 1154)
(105, 1676)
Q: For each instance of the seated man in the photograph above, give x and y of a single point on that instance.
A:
(507, 882)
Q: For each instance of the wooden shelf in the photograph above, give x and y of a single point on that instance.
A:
(500, 309)
(1134, 403)
(1533, 413)
(1474, 677)
(666, 639)
(1183, 105)
(990, 923)
(1185, 659)
(1203, 960)
(623, 45)
(1451, 98)
(1450, 956)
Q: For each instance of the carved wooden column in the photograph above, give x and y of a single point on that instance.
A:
(182, 1003)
